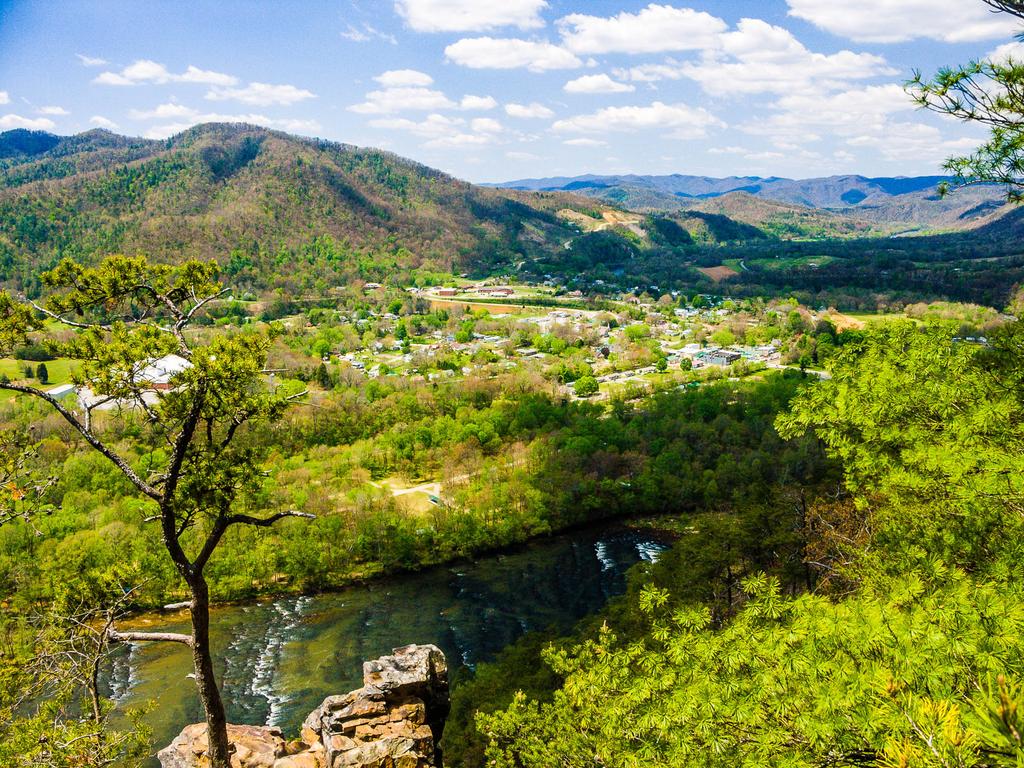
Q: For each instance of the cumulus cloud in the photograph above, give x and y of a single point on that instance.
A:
(885, 21)
(844, 114)
(397, 78)
(1007, 53)
(5, 97)
(682, 121)
(53, 110)
(874, 117)
(486, 125)
(163, 112)
(762, 58)
(195, 117)
(261, 94)
(654, 29)
(391, 100)
(90, 61)
(510, 53)
(102, 122)
(597, 84)
(477, 103)
(182, 117)
(534, 111)
(441, 131)
(146, 71)
(916, 141)
(470, 15)
(8, 122)
(651, 73)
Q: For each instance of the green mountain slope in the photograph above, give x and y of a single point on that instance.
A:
(276, 209)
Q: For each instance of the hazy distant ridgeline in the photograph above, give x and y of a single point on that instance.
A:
(901, 202)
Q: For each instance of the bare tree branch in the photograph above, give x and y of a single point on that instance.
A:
(146, 637)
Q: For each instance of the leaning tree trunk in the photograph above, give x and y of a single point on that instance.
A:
(206, 681)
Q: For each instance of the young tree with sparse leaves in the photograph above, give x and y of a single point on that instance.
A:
(185, 456)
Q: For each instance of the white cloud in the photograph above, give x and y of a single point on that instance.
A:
(470, 15)
(534, 111)
(684, 122)
(291, 125)
(597, 84)
(650, 73)
(147, 71)
(486, 125)
(8, 122)
(102, 122)
(510, 53)
(163, 111)
(477, 103)
(886, 21)
(5, 97)
(585, 143)
(655, 28)
(90, 61)
(391, 100)
(365, 33)
(875, 117)
(261, 94)
(521, 156)
(746, 154)
(762, 58)
(852, 112)
(196, 75)
(1006, 53)
(398, 78)
(53, 110)
(905, 141)
(443, 132)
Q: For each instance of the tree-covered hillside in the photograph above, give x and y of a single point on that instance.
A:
(259, 201)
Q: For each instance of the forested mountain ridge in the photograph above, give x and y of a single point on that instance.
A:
(254, 199)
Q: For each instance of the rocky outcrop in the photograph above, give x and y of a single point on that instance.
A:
(394, 721)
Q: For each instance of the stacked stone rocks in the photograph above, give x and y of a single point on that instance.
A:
(394, 721)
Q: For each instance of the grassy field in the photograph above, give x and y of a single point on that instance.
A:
(878, 317)
(59, 370)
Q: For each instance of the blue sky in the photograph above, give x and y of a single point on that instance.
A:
(503, 89)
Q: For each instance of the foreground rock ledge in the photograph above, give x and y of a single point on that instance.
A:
(394, 721)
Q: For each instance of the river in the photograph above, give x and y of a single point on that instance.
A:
(279, 658)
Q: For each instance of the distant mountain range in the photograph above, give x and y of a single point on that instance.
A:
(898, 203)
(292, 216)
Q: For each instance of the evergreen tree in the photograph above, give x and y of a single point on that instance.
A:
(991, 92)
(129, 312)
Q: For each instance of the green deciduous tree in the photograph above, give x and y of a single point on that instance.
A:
(587, 386)
(183, 454)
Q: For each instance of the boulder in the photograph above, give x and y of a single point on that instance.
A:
(254, 746)
(394, 721)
